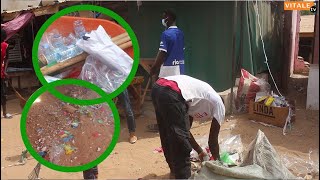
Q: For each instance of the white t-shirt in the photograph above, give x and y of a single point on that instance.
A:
(169, 71)
(204, 102)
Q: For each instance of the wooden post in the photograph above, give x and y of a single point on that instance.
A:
(286, 52)
(315, 54)
(233, 53)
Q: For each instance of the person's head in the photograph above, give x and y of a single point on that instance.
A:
(3, 35)
(168, 18)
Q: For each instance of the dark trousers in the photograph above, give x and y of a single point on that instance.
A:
(91, 173)
(125, 101)
(3, 93)
(173, 121)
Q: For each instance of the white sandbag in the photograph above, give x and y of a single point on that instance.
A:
(260, 162)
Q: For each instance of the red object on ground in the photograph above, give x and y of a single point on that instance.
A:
(247, 90)
(159, 150)
(96, 134)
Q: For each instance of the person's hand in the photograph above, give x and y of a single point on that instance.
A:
(203, 156)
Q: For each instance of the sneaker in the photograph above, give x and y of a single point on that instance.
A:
(133, 138)
(7, 116)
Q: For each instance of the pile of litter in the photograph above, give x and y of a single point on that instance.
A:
(230, 150)
(70, 135)
(260, 162)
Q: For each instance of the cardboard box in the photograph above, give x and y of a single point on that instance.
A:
(267, 114)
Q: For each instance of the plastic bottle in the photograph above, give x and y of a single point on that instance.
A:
(72, 49)
(79, 28)
(70, 40)
(56, 39)
(50, 55)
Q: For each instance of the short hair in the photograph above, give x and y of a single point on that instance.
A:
(170, 14)
(3, 35)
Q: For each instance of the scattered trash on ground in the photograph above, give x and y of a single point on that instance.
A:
(65, 131)
(300, 167)
(158, 150)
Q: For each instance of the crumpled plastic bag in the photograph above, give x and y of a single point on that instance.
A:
(105, 77)
(231, 149)
(231, 144)
(100, 45)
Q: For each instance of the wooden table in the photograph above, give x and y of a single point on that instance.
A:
(135, 88)
(18, 73)
(146, 64)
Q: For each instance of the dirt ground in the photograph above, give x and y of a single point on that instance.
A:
(72, 135)
(139, 160)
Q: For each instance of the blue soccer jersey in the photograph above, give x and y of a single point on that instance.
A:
(172, 42)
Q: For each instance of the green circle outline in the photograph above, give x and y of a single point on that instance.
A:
(119, 19)
(102, 157)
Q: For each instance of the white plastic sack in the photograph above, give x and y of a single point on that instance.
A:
(100, 45)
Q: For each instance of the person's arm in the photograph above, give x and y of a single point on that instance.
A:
(213, 139)
(195, 145)
(161, 56)
(6, 62)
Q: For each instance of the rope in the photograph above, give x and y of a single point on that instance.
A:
(264, 51)
(288, 119)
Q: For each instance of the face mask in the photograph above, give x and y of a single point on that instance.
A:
(164, 22)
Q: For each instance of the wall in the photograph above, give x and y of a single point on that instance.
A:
(316, 39)
(313, 88)
(294, 39)
(208, 28)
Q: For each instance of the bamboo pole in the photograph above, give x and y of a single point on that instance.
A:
(119, 37)
(48, 70)
(122, 40)
(125, 45)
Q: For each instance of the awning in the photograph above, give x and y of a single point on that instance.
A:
(37, 11)
(13, 26)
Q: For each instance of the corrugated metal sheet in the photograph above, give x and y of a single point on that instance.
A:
(15, 53)
(49, 7)
(10, 6)
(208, 36)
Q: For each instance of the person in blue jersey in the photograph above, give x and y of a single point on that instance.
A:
(170, 57)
